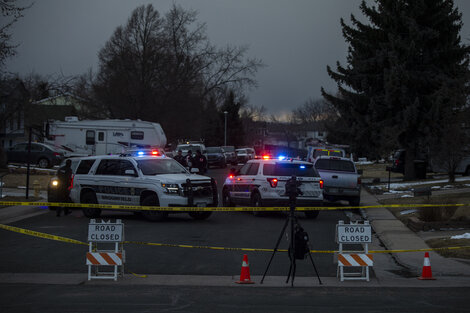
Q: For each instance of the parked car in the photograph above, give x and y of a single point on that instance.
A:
(216, 157)
(420, 162)
(44, 155)
(342, 179)
(245, 154)
(262, 182)
(142, 181)
(230, 154)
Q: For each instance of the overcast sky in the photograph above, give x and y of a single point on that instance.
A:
(296, 39)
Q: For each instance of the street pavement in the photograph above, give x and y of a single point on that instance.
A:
(390, 234)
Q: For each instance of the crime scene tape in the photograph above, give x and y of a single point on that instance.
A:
(68, 240)
(219, 209)
(41, 235)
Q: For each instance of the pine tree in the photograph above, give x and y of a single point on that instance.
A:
(395, 89)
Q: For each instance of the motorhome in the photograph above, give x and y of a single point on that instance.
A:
(99, 137)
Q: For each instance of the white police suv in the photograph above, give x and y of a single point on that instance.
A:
(141, 180)
(262, 182)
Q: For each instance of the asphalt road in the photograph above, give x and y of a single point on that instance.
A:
(26, 254)
(114, 298)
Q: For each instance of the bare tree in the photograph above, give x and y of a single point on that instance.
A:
(163, 68)
(10, 13)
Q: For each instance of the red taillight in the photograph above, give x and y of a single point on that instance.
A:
(272, 182)
(230, 176)
(321, 183)
(359, 181)
(154, 152)
(57, 154)
(397, 162)
(265, 157)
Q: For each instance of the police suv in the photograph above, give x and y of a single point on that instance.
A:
(262, 182)
(153, 180)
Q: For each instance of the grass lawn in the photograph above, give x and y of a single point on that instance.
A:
(446, 211)
(371, 171)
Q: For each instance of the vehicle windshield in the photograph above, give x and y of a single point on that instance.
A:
(290, 169)
(214, 150)
(193, 148)
(229, 148)
(160, 166)
(241, 151)
(335, 165)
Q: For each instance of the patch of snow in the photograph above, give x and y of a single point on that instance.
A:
(408, 211)
(436, 187)
(21, 187)
(464, 236)
(407, 196)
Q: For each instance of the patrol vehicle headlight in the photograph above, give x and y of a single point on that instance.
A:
(171, 188)
(55, 183)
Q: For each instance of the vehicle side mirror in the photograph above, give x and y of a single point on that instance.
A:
(360, 172)
(194, 170)
(130, 173)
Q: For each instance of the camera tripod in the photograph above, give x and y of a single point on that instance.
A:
(292, 190)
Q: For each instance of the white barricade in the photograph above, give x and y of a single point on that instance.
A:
(354, 234)
(110, 234)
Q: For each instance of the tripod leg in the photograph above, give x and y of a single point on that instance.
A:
(293, 274)
(314, 267)
(275, 248)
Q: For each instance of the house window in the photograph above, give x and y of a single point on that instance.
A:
(101, 136)
(90, 137)
(320, 134)
(137, 135)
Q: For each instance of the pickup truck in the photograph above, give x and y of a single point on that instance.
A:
(341, 179)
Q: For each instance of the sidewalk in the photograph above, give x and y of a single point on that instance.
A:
(396, 236)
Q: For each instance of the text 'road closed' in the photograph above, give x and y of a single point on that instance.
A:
(354, 234)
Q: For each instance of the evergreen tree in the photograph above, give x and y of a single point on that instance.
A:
(407, 71)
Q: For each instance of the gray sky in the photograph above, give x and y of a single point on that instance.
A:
(296, 39)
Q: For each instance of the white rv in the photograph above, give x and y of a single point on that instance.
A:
(99, 137)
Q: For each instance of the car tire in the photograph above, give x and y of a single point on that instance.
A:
(355, 202)
(256, 201)
(90, 197)
(226, 200)
(44, 163)
(154, 216)
(200, 215)
(311, 214)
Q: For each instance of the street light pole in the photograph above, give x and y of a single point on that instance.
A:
(225, 132)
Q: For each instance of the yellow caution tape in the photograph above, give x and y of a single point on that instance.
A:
(139, 275)
(68, 240)
(220, 209)
(41, 235)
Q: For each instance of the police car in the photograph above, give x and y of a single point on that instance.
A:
(261, 183)
(141, 180)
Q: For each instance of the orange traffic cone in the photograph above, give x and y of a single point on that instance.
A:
(245, 273)
(427, 273)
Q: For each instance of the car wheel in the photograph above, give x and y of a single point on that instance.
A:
(43, 163)
(154, 216)
(200, 215)
(89, 197)
(256, 202)
(311, 214)
(226, 200)
(355, 201)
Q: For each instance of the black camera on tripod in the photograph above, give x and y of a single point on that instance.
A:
(293, 188)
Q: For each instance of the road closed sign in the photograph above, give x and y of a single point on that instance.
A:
(105, 232)
(354, 233)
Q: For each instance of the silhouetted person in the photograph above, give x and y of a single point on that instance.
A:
(64, 176)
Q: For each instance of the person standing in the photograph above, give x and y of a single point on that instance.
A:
(201, 162)
(64, 176)
(180, 158)
(189, 160)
